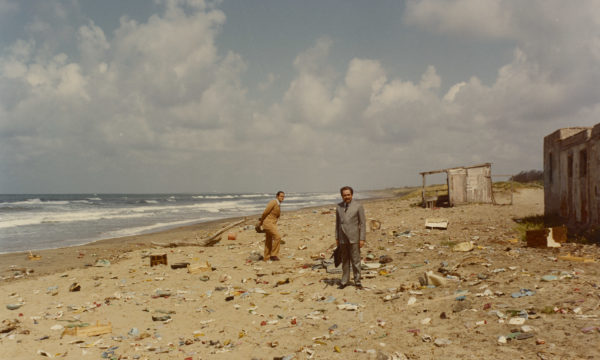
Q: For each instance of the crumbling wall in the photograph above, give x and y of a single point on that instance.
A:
(594, 171)
(571, 163)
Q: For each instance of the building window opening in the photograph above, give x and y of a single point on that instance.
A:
(550, 167)
(583, 163)
(570, 166)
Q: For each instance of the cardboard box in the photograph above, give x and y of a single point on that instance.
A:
(547, 237)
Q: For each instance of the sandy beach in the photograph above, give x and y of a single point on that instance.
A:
(499, 300)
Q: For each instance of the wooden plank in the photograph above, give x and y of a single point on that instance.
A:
(435, 223)
(92, 330)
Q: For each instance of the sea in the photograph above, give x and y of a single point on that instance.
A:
(46, 221)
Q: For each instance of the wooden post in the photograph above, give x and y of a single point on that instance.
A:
(423, 191)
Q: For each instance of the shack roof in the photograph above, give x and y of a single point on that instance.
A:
(455, 168)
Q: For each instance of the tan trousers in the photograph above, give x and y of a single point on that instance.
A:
(272, 241)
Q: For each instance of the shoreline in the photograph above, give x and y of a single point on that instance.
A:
(66, 258)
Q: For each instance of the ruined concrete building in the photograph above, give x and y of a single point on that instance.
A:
(572, 176)
(466, 184)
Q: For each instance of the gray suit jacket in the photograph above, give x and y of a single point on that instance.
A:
(350, 223)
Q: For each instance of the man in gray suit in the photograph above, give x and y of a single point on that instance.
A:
(350, 235)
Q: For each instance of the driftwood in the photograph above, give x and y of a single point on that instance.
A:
(209, 241)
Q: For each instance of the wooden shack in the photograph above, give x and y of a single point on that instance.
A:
(466, 184)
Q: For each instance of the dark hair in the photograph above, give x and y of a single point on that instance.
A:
(347, 188)
(279, 192)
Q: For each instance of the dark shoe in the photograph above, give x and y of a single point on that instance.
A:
(274, 258)
(341, 286)
(359, 287)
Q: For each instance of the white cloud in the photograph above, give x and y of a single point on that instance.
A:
(160, 94)
(8, 7)
(490, 18)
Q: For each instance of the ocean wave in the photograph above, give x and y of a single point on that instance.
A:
(8, 208)
(254, 195)
(315, 197)
(148, 228)
(82, 202)
(16, 219)
(214, 197)
(64, 217)
(37, 201)
(28, 202)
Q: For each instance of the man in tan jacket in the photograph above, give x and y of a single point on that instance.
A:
(268, 221)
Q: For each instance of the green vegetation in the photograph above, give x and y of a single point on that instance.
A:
(448, 243)
(536, 222)
(507, 185)
(528, 176)
(431, 190)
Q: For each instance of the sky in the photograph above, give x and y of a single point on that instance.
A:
(144, 96)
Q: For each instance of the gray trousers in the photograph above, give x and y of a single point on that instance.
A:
(350, 255)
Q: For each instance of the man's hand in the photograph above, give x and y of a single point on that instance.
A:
(337, 242)
(361, 244)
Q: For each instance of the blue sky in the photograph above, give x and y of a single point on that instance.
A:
(194, 95)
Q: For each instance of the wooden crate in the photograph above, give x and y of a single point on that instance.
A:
(158, 259)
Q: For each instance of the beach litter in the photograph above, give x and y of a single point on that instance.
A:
(74, 287)
(14, 306)
(582, 259)
(199, 267)
(348, 307)
(102, 263)
(92, 330)
(440, 342)
(33, 257)
(160, 259)
(547, 237)
(436, 223)
(181, 265)
(463, 246)
(9, 325)
(522, 292)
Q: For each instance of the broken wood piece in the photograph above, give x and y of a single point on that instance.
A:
(33, 256)
(181, 265)
(92, 330)
(201, 267)
(570, 257)
(209, 241)
(436, 223)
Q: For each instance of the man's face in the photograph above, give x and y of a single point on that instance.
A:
(347, 196)
(280, 197)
